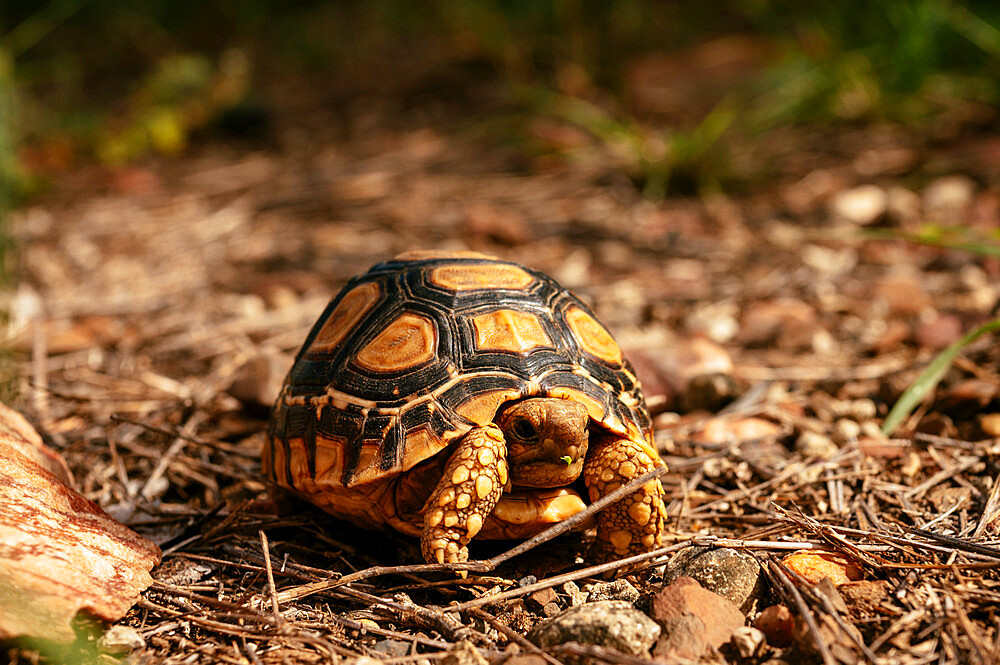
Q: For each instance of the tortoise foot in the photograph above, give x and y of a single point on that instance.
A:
(468, 490)
(635, 524)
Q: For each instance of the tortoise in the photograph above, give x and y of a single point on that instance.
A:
(453, 395)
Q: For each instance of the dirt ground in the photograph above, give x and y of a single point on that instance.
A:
(158, 306)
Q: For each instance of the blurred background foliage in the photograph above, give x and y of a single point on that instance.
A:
(674, 92)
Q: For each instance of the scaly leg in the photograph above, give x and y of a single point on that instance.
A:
(469, 488)
(634, 524)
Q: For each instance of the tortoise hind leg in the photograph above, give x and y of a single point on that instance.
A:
(470, 486)
(634, 524)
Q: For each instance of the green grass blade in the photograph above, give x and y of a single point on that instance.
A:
(930, 377)
(943, 237)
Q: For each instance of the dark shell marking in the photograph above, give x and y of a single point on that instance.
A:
(412, 354)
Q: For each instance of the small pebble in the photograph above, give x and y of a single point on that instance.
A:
(392, 648)
(862, 409)
(814, 566)
(368, 623)
(542, 597)
(939, 332)
(990, 423)
(846, 431)
(723, 429)
(871, 430)
(747, 640)
(121, 639)
(526, 581)
(861, 205)
(610, 623)
(551, 609)
(815, 445)
(576, 596)
(864, 596)
(617, 590)
(947, 197)
(778, 625)
(710, 392)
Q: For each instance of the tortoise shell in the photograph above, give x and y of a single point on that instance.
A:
(411, 355)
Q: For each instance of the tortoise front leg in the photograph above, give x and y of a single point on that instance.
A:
(635, 523)
(468, 490)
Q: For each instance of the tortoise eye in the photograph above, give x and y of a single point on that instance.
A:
(522, 428)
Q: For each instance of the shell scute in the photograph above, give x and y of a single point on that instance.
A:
(407, 342)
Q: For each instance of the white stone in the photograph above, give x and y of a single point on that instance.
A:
(861, 205)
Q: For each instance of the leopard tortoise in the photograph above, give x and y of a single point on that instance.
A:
(453, 395)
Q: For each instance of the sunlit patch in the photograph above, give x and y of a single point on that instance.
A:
(509, 330)
(592, 336)
(480, 276)
(342, 320)
(409, 341)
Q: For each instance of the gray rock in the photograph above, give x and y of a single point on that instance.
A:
(392, 648)
(733, 575)
(609, 623)
(617, 590)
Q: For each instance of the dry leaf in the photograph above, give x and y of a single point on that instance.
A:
(59, 552)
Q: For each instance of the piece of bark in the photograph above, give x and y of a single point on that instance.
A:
(59, 552)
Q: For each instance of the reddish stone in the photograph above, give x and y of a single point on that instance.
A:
(939, 332)
(692, 618)
(778, 625)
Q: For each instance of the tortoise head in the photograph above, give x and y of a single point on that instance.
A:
(546, 440)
